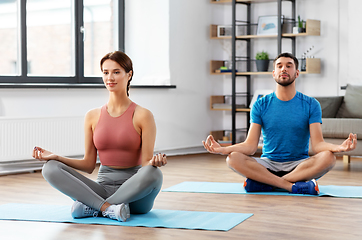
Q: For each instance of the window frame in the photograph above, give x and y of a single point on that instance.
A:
(76, 81)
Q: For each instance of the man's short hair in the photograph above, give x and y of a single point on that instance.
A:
(287, 55)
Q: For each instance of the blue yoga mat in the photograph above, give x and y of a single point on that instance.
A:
(155, 218)
(238, 188)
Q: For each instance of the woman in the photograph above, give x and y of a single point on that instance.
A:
(123, 134)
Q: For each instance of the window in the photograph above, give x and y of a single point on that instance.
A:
(57, 42)
(49, 29)
(100, 35)
(9, 28)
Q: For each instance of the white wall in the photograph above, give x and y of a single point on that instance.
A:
(325, 47)
(182, 115)
(147, 40)
(350, 48)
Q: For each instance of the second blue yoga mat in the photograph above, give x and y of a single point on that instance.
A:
(237, 188)
(156, 218)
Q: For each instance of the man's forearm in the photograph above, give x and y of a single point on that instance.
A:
(325, 146)
(243, 148)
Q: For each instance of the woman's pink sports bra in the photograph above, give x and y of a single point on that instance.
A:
(117, 141)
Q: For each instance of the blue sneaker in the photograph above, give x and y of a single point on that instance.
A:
(310, 187)
(254, 186)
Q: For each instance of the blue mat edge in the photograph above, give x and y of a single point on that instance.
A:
(323, 190)
(239, 218)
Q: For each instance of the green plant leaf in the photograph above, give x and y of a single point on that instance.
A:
(262, 56)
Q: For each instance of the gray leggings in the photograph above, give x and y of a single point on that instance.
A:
(136, 186)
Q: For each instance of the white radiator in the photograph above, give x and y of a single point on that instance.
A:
(61, 135)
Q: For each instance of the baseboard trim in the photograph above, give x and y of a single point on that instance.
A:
(26, 166)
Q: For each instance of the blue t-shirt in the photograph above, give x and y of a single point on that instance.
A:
(285, 125)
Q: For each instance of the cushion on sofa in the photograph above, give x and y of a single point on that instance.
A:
(351, 106)
(330, 105)
(338, 128)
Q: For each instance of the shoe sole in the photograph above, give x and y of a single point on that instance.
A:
(124, 212)
(316, 188)
(128, 211)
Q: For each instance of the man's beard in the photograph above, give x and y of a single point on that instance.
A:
(285, 84)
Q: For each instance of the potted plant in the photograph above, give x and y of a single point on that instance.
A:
(262, 61)
(301, 28)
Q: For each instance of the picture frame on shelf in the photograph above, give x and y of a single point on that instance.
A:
(268, 25)
(259, 94)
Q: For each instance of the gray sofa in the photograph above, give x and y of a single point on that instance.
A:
(342, 115)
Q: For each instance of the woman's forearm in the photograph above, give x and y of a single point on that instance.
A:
(86, 165)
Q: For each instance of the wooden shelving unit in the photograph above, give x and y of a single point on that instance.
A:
(219, 136)
(222, 106)
(313, 28)
(313, 65)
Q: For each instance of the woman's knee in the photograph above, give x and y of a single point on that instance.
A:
(50, 169)
(151, 174)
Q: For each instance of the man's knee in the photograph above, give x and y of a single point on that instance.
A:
(234, 159)
(329, 158)
(325, 161)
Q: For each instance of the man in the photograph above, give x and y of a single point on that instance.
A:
(287, 119)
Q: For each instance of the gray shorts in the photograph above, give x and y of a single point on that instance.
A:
(111, 179)
(279, 166)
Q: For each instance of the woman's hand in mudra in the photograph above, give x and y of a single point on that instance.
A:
(42, 154)
(158, 160)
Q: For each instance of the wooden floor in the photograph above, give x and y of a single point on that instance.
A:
(275, 217)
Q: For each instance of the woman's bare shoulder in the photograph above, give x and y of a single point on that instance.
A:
(142, 112)
(93, 114)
